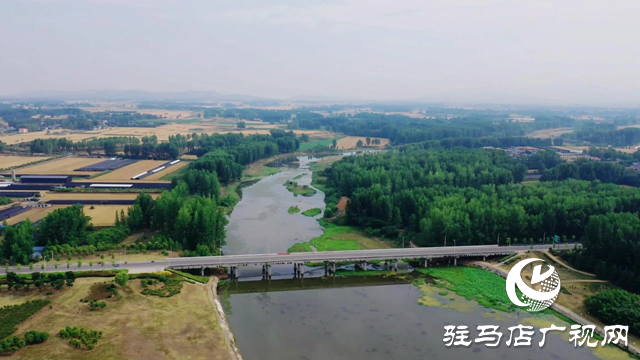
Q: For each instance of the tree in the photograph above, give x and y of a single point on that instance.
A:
(334, 144)
(58, 284)
(368, 141)
(241, 125)
(359, 143)
(122, 278)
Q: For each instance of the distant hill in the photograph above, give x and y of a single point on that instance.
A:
(131, 95)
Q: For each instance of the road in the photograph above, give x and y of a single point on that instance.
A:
(285, 258)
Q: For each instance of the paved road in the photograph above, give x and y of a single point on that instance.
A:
(282, 258)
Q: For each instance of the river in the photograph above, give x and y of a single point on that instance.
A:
(367, 321)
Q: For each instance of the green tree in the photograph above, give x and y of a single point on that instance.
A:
(122, 278)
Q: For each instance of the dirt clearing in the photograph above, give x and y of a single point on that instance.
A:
(350, 142)
(129, 171)
(104, 215)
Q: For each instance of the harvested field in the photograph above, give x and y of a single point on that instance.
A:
(189, 157)
(134, 326)
(164, 114)
(64, 166)
(129, 171)
(104, 215)
(92, 196)
(549, 133)
(10, 161)
(34, 214)
(350, 142)
(167, 171)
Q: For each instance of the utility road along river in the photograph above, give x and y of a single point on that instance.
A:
(361, 322)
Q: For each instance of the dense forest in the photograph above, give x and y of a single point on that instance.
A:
(615, 306)
(34, 118)
(468, 195)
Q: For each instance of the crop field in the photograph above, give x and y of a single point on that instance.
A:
(164, 114)
(64, 166)
(35, 214)
(350, 142)
(167, 171)
(129, 171)
(548, 133)
(91, 196)
(9, 161)
(104, 215)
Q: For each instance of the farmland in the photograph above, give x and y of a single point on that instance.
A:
(549, 133)
(104, 215)
(91, 196)
(34, 214)
(167, 172)
(129, 171)
(8, 161)
(64, 166)
(350, 142)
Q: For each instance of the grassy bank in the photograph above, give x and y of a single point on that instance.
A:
(337, 238)
(473, 284)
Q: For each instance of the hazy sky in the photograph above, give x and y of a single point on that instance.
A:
(517, 51)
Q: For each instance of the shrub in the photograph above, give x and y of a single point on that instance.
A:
(11, 345)
(35, 337)
(10, 316)
(122, 278)
(79, 336)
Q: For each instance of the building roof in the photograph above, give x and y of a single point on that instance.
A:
(61, 177)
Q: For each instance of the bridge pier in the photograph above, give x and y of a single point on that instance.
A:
(455, 261)
(333, 268)
(301, 270)
(326, 268)
(395, 266)
(426, 262)
(269, 271)
(202, 271)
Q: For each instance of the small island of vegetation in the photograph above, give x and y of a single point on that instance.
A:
(296, 189)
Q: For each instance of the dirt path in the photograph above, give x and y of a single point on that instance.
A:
(234, 352)
(559, 261)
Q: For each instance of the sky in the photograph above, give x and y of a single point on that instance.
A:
(571, 52)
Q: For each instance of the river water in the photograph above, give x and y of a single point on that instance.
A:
(367, 321)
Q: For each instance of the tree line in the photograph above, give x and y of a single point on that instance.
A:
(468, 195)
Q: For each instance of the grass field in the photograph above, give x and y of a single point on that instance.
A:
(10, 161)
(184, 326)
(336, 238)
(127, 172)
(350, 142)
(170, 172)
(312, 144)
(92, 196)
(104, 215)
(34, 214)
(173, 172)
(63, 166)
(548, 133)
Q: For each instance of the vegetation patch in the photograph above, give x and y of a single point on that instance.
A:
(616, 306)
(11, 316)
(169, 288)
(296, 189)
(81, 336)
(299, 176)
(200, 279)
(312, 212)
(293, 209)
(473, 284)
(337, 238)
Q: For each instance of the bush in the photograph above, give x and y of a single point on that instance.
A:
(35, 337)
(11, 345)
(87, 337)
(122, 278)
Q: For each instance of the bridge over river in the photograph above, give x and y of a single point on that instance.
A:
(297, 260)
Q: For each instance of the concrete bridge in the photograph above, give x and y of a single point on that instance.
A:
(297, 260)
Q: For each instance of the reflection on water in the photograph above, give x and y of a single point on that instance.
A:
(260, 221)
(370, 322)
(365, 322)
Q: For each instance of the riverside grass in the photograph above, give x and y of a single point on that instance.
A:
(312, 212)
(484, 287)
